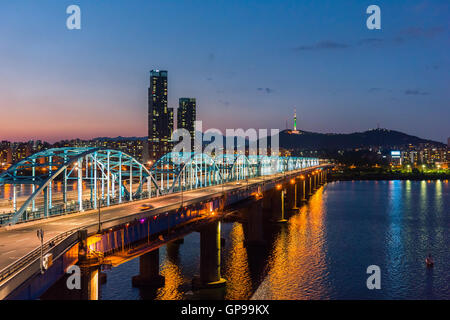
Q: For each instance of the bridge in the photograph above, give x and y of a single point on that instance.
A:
(86, 198)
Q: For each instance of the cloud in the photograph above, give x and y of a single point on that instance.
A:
(378, 90)
(225, 103)
(416, 92)
(414, 33)
(405, 35)
(370, 41)
(434, 67)
(322, 45)
(399, 40)
(266, 90)
(432, 8)
(420, 32)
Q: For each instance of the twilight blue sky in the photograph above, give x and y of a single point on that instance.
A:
(248, 63)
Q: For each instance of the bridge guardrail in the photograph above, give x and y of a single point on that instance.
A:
(33, 255)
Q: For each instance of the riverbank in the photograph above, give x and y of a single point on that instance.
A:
(348, 176)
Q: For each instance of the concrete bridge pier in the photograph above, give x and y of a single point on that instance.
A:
(82, 246)
(299, 194)
(291, 196)
(310, 185)
(178, 241)
(324, 176)
(149, 271)
(210, 244)
(302, 199)
(279, 204)
(267, 201)
(90, 283)
(173, 251)
(255, 233)
(315, 181)
(86, 285)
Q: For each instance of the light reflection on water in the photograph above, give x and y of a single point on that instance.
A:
(173, 275)
(297, 264)
(237, 273)
(324, 250)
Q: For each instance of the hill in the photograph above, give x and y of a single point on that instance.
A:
(329, 141)
(304, 140)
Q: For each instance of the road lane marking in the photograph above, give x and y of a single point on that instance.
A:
(11, 235)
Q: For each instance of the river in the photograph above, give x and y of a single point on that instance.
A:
(323, 251)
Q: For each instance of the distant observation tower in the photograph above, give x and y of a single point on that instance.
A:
(294, 131)
(295, 120)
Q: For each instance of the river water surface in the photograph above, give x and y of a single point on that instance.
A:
(323, 251)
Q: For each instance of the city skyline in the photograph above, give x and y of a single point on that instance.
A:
(212, 151)
(322, 61)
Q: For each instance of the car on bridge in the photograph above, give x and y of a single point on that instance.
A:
(146, 206)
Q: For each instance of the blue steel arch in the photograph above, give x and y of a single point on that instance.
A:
(242, 167)
(170, 169)
(65, 159)
(173, 172)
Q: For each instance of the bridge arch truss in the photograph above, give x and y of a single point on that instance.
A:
(86, 178)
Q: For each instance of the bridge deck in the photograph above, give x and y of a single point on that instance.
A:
(19, 240)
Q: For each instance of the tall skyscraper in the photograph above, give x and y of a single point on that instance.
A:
(160, 117)
(186, 115)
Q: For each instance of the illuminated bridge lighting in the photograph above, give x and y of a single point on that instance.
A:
(99, 177)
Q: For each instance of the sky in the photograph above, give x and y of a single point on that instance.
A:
(248, 64)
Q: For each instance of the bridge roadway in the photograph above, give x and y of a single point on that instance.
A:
(17, 241)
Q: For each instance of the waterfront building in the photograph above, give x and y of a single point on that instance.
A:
(186, 116)
(160, 117)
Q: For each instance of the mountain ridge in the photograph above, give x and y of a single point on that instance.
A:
(308, 140)
(370, 138)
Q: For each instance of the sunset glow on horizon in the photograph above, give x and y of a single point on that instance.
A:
(247, 68)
